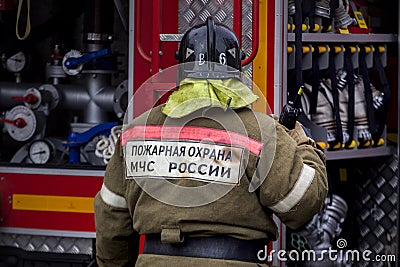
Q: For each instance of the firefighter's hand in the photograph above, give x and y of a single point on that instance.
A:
(275, 117)
(299, 135)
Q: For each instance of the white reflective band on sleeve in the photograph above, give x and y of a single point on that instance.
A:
(303, 182)
(112, 199)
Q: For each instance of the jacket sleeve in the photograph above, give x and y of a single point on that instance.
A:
(296, 185)
(116, 241)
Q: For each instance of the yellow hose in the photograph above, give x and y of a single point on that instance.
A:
(28, 19)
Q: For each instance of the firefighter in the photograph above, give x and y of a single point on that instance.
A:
(200, 176)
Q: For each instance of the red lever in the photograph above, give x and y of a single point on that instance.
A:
(18, 122)
(29, 98)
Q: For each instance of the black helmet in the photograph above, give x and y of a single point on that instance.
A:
(209, 50)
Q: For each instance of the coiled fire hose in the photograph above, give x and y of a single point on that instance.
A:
(105, 147)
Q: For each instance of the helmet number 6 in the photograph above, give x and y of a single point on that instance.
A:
(222, 58)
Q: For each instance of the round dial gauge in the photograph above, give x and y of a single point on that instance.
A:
(40, 152)
(16, 62)
(26, 129)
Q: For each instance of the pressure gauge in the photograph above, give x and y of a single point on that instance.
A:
(39, 152)
(20, 123)
(16, 62)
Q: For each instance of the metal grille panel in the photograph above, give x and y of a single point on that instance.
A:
(193, 12)
(47, 243)
(376, 208)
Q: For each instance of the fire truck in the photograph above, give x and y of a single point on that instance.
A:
(71, 72)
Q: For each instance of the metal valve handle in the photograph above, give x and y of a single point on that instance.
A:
(73, 62)
(18, 122)
(29, 98)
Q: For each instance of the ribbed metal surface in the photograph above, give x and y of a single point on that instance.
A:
(47, 243)
(247, 32)
(376, 208)
(193, 12)
(170, 37)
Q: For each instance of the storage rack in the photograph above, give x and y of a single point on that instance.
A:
(342, 159)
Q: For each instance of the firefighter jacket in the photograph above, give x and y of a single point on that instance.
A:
(148, 186)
